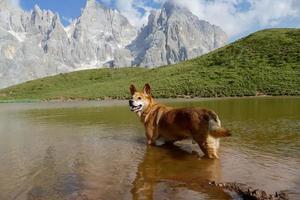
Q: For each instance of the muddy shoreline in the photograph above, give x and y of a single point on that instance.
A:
(248, 193)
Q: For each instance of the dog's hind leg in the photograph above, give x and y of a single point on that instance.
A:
(212, 145)
(207, 144)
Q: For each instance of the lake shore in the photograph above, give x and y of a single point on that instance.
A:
(108, 99)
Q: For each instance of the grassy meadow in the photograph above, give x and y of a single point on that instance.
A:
(264, 63)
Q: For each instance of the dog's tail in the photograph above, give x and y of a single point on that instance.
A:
(215, 128)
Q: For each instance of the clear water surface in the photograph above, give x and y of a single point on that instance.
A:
(97, 150)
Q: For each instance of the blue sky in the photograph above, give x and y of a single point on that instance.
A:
(236, 17)
(68, 9)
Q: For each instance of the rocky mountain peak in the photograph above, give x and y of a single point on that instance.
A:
(91, 3)
(170, 7)
(7, 4)
(174, 34)
(35, 44)
(4, 4)
(37, 10)
(41, 21)
(93, 6)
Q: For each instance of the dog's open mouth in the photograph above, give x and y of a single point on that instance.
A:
(135, 108)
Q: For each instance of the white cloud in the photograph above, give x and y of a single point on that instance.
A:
(227, 14)
(15, 3)
(130, 9)
(234, 21)
(106, 2)
(68, 19)
(235, 17)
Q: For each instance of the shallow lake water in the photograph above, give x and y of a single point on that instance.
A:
(97, 150)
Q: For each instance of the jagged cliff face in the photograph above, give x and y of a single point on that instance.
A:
(23, 44)
(35, 44)
(174, 34)
(99, 34)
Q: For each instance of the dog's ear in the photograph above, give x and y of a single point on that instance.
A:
(147, 89)
(132, 89)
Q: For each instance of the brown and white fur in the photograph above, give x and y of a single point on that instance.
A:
(174, 124)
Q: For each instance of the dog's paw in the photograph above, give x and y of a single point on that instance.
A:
(150, 142)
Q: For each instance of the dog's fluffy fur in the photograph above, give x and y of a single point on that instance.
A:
(174, 124)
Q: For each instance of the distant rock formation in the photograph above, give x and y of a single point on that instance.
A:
(35, 44)
(174, 34)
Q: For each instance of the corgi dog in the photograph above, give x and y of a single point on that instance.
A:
(175, 124)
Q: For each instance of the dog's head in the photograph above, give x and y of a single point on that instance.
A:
(140, 101)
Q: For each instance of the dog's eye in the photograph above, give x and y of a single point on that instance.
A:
(139, 98)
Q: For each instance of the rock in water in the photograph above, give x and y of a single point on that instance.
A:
(247, 192)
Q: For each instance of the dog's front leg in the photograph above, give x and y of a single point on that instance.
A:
(149, 135)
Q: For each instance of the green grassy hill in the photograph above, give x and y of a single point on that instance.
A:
(266, 62)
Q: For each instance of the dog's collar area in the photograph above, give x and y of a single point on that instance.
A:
(145, 115)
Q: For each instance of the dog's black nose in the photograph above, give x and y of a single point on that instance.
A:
(130, 102)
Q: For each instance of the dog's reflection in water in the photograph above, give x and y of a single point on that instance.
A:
(170, 172)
